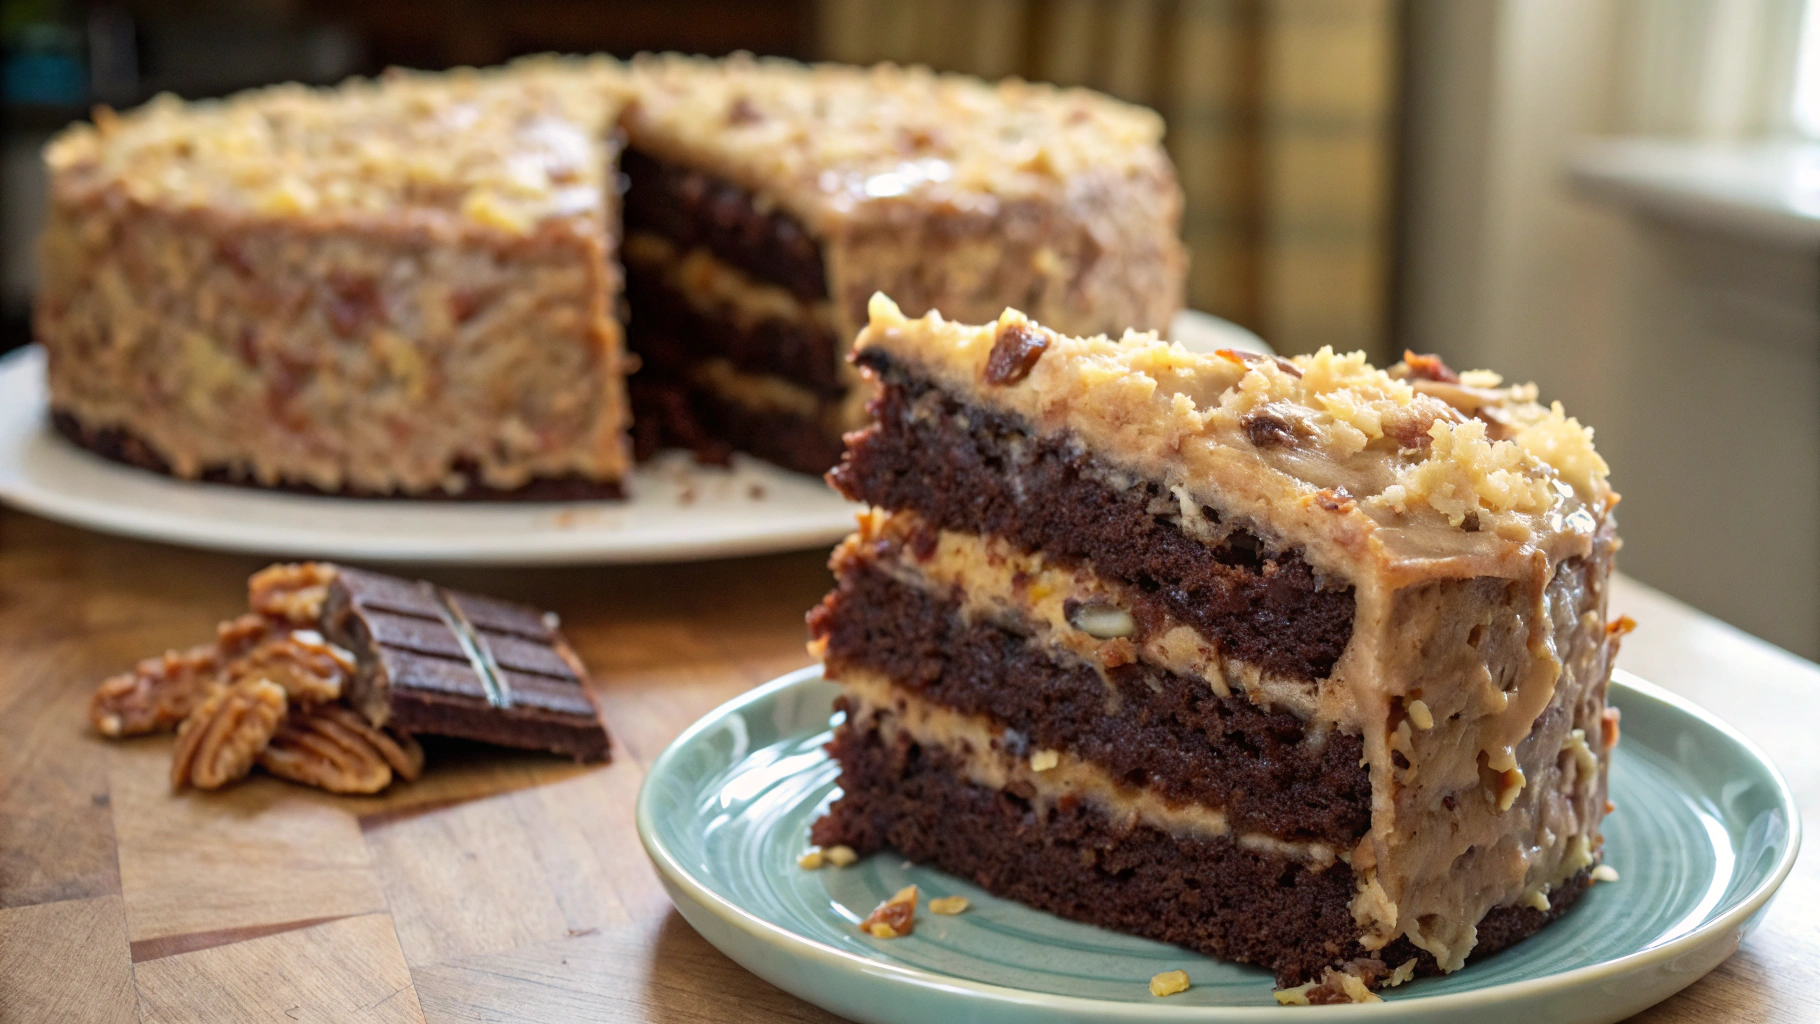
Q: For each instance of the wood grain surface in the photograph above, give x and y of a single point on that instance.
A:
(511, 887)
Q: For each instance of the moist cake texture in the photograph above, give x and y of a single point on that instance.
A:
(1293, 661)
(413, 286)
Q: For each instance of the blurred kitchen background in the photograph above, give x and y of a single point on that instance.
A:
(1618, 199)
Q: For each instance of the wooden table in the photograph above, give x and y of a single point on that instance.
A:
(505, 887)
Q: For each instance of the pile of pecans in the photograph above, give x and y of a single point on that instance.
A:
(267, 692)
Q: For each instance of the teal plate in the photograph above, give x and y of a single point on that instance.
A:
(1704, 833)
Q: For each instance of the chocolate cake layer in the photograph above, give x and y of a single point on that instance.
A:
(1153, 728)
(126, 447)
(667, 412)
(1207, 894)
(693, 208)
(670, 334)
(983, 472)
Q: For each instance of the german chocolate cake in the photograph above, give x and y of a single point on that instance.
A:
(1295, 662)
(412, 286)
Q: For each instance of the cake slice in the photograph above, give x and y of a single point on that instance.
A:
(400, 286)
(767, 200)
(1295, 662)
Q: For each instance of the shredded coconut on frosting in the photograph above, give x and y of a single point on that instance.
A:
(504, 148)
(831, 140)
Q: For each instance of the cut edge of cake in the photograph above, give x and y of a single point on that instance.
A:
(769, 200)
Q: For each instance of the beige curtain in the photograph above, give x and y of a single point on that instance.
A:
(1280, 124)
(1705, 69)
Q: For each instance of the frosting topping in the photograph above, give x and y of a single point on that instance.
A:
(505, 149)
(833, 142)
(1372, 464)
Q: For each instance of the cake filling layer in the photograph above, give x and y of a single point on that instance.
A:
(669, 412)
(687, 305)
(1071, 609)
(1269, 772)
(973, 470)
(761, 392)
(1208, 893)
(693, 208)
(992, 756)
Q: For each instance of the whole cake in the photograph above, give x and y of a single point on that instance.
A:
(412, 286)
(1295, 662)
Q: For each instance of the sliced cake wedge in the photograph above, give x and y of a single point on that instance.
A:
(1296, 662)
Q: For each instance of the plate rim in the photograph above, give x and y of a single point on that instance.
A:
(477, 548)
(777, 936)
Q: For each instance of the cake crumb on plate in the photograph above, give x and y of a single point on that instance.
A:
(1169, 983)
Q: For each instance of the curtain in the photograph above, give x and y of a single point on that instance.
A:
(1280, 116)
(1719, 70)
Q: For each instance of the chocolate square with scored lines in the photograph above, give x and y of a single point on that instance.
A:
(443, 663)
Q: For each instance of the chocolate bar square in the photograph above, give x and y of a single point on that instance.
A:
(443, 663)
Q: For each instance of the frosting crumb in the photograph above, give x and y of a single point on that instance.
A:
(1334, 987)
(1169, 983)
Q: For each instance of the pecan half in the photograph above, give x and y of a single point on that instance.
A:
(235, 637)
(310, 669)
(292, 591)
(330, 747)
(217, 743)
(157, 694)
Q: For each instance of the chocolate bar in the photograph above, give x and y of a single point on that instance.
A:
(438, 662)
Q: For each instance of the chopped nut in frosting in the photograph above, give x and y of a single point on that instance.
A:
(1419, 715)
(893, 918)
(1043, 760)
(1102, 621)
(429, 143)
